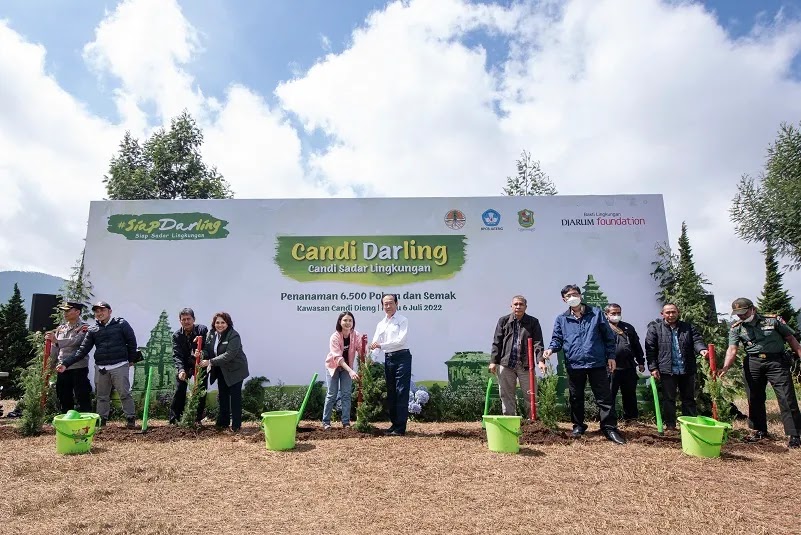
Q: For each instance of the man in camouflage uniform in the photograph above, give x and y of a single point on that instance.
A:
(763, 337)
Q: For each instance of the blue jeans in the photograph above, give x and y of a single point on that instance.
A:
(398, 373)
(340, 383)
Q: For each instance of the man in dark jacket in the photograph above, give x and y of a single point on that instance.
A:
(509, 352)
(628, 357)
(670, 347)
(184, 344)
(115, 350)
(589, 345)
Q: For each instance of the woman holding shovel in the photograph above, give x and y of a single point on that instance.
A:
(222, 354)
(343, 347)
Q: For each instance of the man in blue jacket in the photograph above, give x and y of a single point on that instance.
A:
(588, 342)
(115, 349)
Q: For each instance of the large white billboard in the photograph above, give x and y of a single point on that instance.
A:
(285, 269)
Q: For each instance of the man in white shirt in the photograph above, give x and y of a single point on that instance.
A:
(390, 338)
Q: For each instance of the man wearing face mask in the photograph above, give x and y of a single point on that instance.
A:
(589, 344)
(763, 337)
(670, 347)
(628, 357)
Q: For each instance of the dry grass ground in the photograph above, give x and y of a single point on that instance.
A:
(440, 478)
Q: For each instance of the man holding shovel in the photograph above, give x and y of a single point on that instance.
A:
(763, 337)
(508, 358)
(184, 344)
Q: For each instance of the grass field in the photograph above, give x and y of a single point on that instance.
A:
(440, 478)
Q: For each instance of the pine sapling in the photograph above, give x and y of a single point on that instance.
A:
(190, 416)
(33, 383)
(547, 409)
(373, 395)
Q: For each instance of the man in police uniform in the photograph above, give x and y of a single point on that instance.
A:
(763, 338)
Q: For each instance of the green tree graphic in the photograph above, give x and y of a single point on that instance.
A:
(158, 354)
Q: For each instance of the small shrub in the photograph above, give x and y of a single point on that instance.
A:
(466, 403)
(374, 395)
(32, 383)
(547, 409)
(197, 393)
(253, 398)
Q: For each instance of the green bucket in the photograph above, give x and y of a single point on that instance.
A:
(702, 436)
(279, 429)
(74, 434)
(503, 433)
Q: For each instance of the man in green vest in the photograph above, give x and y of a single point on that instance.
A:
(763, 337)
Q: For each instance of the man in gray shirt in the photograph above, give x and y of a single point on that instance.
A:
(66, 339)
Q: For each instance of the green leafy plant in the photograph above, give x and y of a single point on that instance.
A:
(34, 385)
(466, 403)
(198, 392)
(253, 398)
(374, 395)
(717, 391)
(547, 407)
(283, 397)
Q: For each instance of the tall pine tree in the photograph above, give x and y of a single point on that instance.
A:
(775, 299)
(681, 284)
(530, 179)
(16, 350)
(78, 289)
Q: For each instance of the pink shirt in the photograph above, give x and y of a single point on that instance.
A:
(337, 344)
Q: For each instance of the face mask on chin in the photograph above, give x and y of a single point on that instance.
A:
(573, 301)
(749, 319)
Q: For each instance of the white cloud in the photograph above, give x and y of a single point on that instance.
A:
(52, 156)
(611, 95)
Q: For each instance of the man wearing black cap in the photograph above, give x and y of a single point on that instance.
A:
(115, 349)
(66, 339)
(763, 337)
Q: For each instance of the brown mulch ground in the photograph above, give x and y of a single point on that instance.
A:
(440, 478)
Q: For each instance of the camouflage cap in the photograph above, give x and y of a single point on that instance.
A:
(741, 305)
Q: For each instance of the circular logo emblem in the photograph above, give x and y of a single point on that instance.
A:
(455, 219)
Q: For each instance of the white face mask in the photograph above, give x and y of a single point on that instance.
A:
(614, 319)
(749, 319)
(573, 301)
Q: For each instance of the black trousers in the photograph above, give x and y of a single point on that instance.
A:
(599, 383)
(685, 383)
(776, 371)
(625, 381)
(72, 385)
(398, 375)
(229, 399)
(747, 389)
(179, 399)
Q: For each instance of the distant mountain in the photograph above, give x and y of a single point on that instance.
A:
(29, 282)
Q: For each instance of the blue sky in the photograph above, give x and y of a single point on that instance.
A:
(427, 98)
(260, 43)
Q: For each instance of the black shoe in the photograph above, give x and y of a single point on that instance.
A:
(795, 442)
(613, 435)
(130, 423)
(578, 430)
(756, 436)
(173, 421)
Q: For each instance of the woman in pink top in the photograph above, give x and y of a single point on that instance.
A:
(339, 363)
